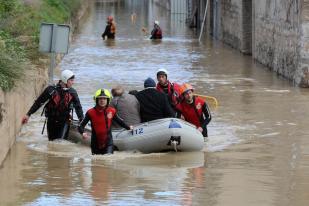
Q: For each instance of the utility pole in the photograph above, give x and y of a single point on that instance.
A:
(204, 19)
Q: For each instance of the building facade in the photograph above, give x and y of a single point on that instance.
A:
(275, 33)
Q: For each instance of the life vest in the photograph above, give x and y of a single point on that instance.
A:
(176, 98)
(110, 31)
(59, 105)
(101, 121)
(113, 28)
(172, 92)
(193, 113)
(158, 34)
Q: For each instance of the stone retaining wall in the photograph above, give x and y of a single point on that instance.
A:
(15, 104)
(277, 36)
(276, 33)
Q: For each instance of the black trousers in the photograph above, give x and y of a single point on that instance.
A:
(205, 133)
(57, 129)
(109, 149)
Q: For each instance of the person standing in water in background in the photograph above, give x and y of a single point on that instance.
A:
(156, 32)
(110, 29)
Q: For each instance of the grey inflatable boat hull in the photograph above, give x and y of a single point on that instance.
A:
(154, 136)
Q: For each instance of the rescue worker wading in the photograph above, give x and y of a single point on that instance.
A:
(194, 109)
(110, 29)
(101, 117)
(61, 100)
(156, 32)
(172, 90)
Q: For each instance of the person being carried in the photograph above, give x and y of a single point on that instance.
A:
(172, 90)
(153, 104)
(61, 100)
(156, 32)
(101, 117)
(194, 109)
(127, 107)
(110, 29)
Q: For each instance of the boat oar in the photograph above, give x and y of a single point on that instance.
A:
(208, 99)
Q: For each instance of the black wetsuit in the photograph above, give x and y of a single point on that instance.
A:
(60, 103)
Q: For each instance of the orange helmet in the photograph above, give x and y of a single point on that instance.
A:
(185, 87)
(110, 18)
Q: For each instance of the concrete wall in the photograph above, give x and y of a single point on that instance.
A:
(275, 32)
(231, 22)
(302, 74)
(246, 26)
(15, 104)
(277, 36)
(164, 3)
(228, 21)
(195, 13)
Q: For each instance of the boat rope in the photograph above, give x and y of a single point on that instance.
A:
(174, 142)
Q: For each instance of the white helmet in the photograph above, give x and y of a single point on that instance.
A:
(156, 22)
(66, 75)
(162, 71)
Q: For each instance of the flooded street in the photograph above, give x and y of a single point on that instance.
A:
(258, 147)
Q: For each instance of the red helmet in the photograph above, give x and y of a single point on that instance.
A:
(110, 18)
(185, 87)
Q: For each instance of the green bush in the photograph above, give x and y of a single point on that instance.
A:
(19, 32)
(12, 61)
(7, 7)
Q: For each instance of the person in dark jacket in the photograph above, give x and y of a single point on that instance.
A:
(194, 109)
(110, 29)
(61, 99)
(156, 32)
(153, 104)
(127, 107)
(101, 117)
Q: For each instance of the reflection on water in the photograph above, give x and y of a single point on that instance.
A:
(60, 180)
(257, 151)
(110, 43)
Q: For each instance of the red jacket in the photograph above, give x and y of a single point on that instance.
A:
(156, 33)
(196, 113)
(101, 121)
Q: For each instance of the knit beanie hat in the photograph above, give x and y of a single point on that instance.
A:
(149, 82)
